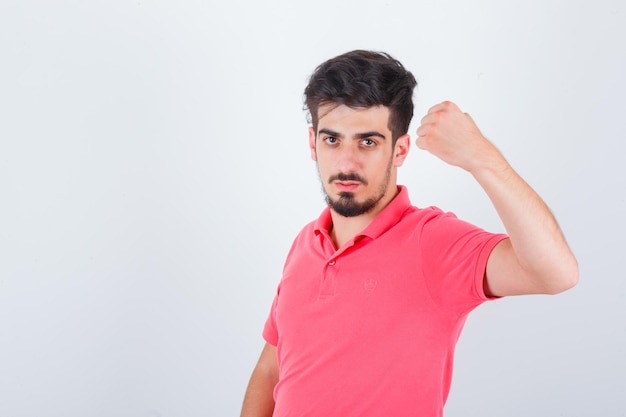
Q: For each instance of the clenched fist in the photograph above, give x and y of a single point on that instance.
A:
(452, 136)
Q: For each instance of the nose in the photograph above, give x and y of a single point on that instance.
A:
(348, 159)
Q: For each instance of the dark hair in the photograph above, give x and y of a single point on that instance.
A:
(362, 79)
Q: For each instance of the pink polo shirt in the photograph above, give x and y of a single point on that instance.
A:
(370, 329)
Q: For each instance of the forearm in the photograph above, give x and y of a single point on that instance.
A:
(259, 398)
(258, 401)
(538, 244)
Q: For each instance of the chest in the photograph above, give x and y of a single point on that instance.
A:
(366, 292)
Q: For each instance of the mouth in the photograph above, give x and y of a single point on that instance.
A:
(347, 186)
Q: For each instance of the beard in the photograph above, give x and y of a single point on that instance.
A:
(347, 205)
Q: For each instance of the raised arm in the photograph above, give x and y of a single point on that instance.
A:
(259, 398)
(536, 259)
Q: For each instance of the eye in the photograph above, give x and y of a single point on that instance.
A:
(331, 140)
(368, 143)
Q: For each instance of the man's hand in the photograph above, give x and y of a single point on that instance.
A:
(452, 136)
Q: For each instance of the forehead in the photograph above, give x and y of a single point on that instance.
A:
(344, 118)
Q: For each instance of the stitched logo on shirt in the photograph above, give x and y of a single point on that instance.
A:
(369, 284)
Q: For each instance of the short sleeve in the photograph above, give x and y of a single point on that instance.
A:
(454, 261)
(270, 331)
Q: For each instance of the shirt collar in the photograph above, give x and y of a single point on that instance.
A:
(385, 220)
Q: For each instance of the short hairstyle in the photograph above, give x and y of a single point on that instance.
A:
(363, 79)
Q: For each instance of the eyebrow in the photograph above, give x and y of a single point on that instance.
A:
(357, 136)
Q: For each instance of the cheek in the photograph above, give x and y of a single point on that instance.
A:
(323, 160)
(323, 170)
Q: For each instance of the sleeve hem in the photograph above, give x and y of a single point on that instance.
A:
(481, 266)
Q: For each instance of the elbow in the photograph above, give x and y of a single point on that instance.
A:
(564, 279)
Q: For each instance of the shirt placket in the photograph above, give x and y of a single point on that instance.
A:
(331, 271)
(329, 277)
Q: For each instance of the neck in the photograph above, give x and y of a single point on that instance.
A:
(345, 228)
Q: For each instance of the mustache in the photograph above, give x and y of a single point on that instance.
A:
(352, 176)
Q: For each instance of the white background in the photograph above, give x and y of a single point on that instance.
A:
(154, 170)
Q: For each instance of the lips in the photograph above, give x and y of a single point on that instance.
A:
(347, 185)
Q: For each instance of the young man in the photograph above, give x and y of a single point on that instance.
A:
(375, 292)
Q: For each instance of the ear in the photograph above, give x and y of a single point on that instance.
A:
(401, 150)
(312, 143)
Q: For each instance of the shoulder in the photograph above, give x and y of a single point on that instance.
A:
(431, 216)
(303, 241)
(437, 229)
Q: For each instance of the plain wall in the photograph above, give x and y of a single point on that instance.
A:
(154, 170)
